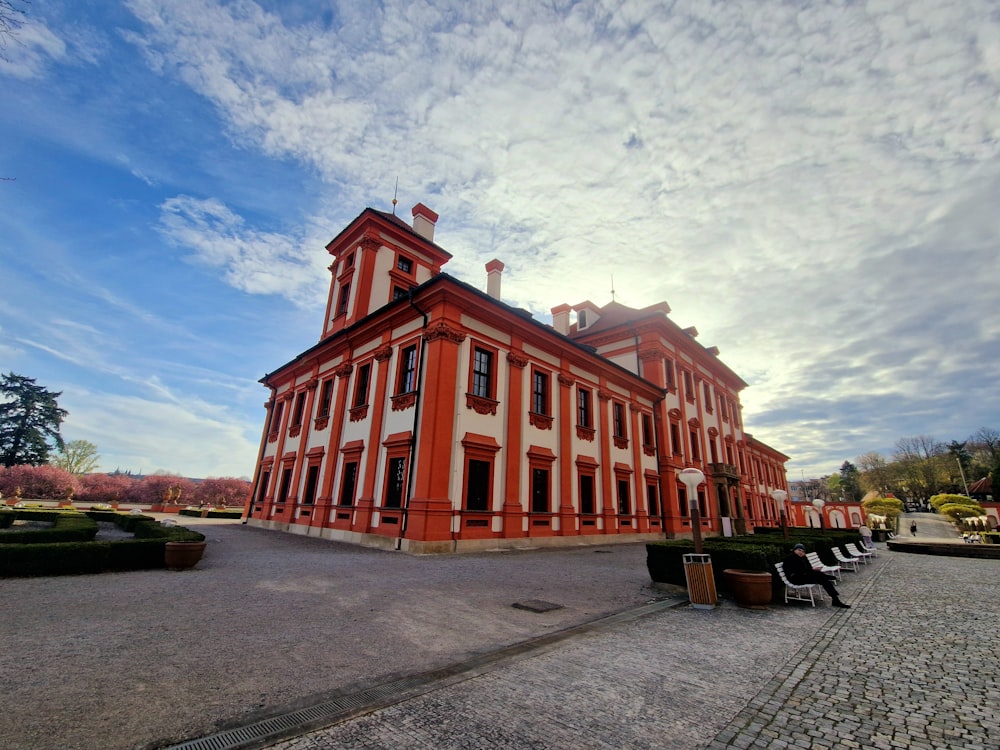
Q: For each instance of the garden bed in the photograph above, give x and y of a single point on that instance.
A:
(70, 546)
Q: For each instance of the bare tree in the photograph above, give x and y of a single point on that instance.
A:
(11, 21)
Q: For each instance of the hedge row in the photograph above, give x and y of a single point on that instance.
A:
(238, 513)
(665, 562)
(66, 527)
(144, 552)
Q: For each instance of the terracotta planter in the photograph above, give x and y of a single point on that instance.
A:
(750, 588)
(183, 555)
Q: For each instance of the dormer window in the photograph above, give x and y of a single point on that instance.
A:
(404, 264)
(581, 319)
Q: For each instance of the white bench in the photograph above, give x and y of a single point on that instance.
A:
(803, 592)
(813, 558)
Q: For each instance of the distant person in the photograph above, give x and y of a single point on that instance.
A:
(866, 535)
(913, 528)
(800, 571)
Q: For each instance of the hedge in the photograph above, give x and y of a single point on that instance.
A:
(145, 551)
(66, 527)
(665, 563)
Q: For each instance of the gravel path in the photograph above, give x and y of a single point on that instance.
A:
(147, 658)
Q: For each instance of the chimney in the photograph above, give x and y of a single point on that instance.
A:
(494, 269)
(423, 221)
(560, 318)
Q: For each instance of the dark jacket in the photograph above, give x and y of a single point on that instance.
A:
(797, 567)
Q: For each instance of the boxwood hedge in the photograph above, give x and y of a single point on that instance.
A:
(40, 555)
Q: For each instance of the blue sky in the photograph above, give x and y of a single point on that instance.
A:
(813, 185)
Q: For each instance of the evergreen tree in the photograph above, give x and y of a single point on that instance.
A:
(29, 421)
(850, 482)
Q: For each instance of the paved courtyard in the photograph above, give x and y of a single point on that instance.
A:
(911, 665)
(427, 652)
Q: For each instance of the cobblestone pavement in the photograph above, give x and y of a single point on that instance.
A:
(912, 665)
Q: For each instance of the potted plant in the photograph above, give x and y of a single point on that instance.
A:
(750, 588)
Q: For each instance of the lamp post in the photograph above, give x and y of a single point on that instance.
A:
(691, 479)
(779, 496)
(818, 505)
(697, 566)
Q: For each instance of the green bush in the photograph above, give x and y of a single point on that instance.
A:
(67, 526)
(226, 513)
(664, 560)
(145, 551)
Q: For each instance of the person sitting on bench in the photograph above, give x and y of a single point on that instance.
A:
(800, 571)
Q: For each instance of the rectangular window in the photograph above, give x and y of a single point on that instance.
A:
(477, 494)
(668, 366)
(583, 417)
(398, 293)
(300, 405)
(581, 319)
(675, 439)
(624, 501)
(325, 398)
(586, 494)
(539, 490)
(647, 430)
(265, 478)
(682, 500)
(312, 480)
(407, 370)
(286, 483)
(347, 486)
(708, 397)
(695, 452)
(395, 481)
(482, 373)
(540, 392)
(652, 499)
(350, 261)
(279, 412)
(688, 387)
(345, 297)
(619, 419)
(404, 264)
(361, 386)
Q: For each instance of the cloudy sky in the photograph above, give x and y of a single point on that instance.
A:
(814, 185)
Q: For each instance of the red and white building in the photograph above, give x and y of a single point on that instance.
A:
(433, 417)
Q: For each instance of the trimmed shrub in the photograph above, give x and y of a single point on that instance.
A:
(145, 551)
(664, 560)
(66, 527)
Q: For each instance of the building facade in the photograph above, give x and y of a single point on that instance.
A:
(433, 417)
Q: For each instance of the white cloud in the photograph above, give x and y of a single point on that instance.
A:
(255, 262)
(30, 50)
(192, 437)
(793, 178)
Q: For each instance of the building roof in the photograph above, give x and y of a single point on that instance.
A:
(981, 486)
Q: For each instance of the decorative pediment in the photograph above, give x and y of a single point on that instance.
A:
(404, 401)
(481, 405)
(517, 360)
(442, 330)
(541, 421)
